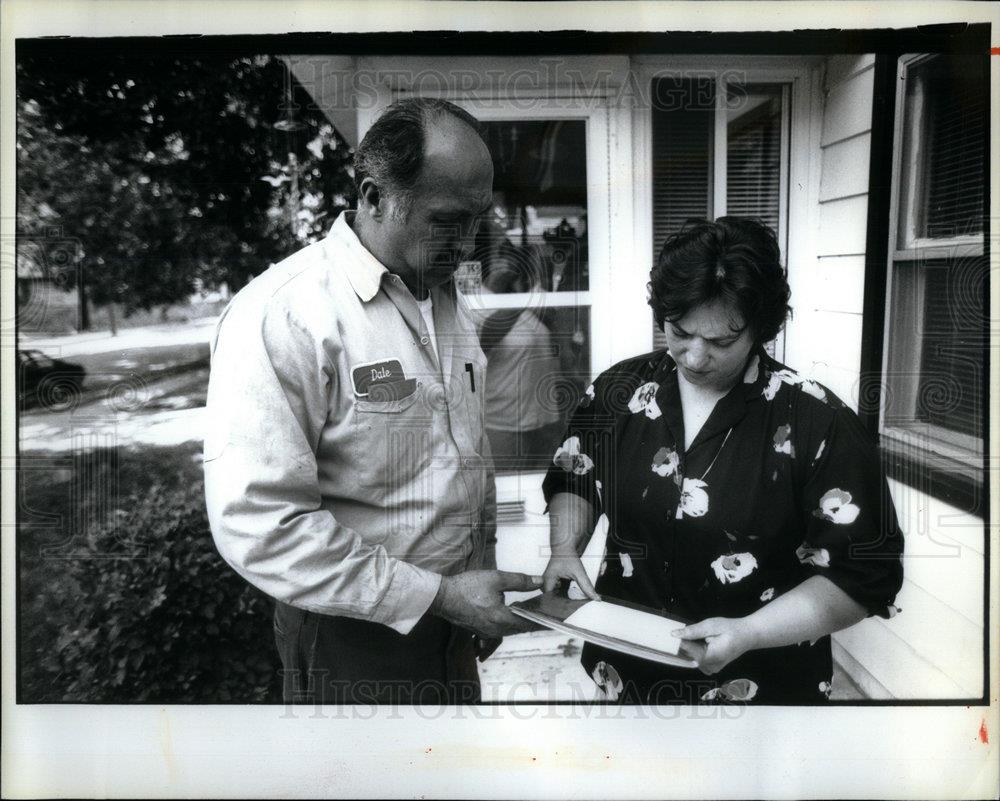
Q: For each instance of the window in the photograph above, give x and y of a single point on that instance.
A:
(529, 286)
(719, 147)
(934, 375)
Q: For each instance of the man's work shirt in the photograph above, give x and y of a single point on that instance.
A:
(346, 467)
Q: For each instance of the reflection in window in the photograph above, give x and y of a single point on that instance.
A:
(538, 365)
(540, 195)
(530, 253)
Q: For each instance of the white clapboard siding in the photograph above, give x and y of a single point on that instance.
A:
(848, 103)
(839, 285)
(845, 168)
(927, 651)
(830, 324)
(944, 550)
(933, 649)
(840, 68)
(835, 353)
(843, 223)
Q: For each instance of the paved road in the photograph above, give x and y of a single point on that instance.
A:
(145, 386)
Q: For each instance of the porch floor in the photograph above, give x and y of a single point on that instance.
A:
(544, 666)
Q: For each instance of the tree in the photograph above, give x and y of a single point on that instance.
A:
(168, 171)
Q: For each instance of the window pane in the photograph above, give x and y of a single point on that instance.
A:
(753, 152)
(934, 375)
(536, 238)
(944, 148)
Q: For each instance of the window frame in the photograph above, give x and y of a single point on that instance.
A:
(931, 461)
(797, 183)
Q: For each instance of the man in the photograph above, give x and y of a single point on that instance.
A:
(347, 474)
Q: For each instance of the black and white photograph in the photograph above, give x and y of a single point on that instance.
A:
(456, 399)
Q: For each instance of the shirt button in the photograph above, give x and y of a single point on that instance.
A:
(425, 340)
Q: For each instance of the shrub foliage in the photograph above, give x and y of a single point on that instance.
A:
(143, 609)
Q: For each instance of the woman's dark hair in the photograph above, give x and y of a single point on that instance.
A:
(392, 151)
(734, 259)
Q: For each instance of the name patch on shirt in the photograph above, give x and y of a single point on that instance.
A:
(382, 381)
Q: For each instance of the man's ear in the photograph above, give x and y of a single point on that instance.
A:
(372, 198)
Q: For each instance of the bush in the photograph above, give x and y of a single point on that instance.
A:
(161, 618)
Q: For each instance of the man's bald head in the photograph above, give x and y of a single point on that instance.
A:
(394, 151)
(425, 179)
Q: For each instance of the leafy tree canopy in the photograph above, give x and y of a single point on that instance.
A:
(165, 173)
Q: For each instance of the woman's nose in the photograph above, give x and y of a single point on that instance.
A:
(695, 357)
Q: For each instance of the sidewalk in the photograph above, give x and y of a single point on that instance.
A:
(165, 334)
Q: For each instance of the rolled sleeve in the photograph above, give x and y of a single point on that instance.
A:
(852, 535)
(267, 404)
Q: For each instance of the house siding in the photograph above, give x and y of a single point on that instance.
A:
(933, 649)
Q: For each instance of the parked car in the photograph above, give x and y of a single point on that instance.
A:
(46, 381)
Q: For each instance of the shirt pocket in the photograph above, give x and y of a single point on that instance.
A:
(386, 406)
(390, 445)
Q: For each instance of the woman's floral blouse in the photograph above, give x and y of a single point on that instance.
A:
(781, 483)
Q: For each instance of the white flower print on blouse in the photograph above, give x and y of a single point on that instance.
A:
(836, 506)
(694, 499)
(814, 389)
(626, 561)
(570, 459)
(644, 400)
(607, 678)
(779, 377)
(588, 397)
(825, 688)
(735, 690)
(773, 384)
(733, 567)
(767, 595)
(782, 440)
(808, 555)
(666, 462)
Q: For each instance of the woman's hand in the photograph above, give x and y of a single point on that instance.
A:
(726, 639)
(567, 566)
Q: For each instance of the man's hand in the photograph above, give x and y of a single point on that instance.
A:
(474, 601)
(725, 638)
(568, 566)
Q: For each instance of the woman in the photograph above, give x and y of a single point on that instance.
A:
(740, 496)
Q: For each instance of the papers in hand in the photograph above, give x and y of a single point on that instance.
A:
(630, 625)
(618, 625)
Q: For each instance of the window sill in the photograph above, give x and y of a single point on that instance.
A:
(936, 475)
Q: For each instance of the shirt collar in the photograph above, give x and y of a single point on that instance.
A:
(364, 271)
(755, 375)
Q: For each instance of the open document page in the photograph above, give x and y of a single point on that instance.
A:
(627, 624)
